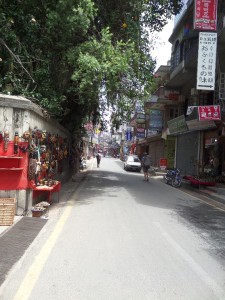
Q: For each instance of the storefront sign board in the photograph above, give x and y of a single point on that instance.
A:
(163, 163)
(209, 112)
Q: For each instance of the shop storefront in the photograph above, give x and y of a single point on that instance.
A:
(198, 141)
(156, 151)
(170, 149)
(187, 152)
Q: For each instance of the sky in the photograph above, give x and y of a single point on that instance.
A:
(162, 49)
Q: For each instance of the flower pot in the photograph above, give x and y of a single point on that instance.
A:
(37, 213)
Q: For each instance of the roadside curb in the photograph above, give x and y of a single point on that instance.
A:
(206, 194)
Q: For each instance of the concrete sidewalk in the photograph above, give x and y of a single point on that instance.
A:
(15, 239)
(73, 183)
(211, 195)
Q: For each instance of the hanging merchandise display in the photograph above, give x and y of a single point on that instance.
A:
(1, 137)
(33, 160)
(6, 140)
(16, 143)
(46, 153)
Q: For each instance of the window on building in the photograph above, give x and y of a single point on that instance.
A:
(173, 112)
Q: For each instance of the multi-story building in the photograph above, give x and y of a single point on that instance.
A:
(186, 114)
(199, 130)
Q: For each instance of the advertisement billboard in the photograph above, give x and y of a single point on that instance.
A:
(205, 16)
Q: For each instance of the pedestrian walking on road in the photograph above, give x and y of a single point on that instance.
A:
(146, 163)
(98, 157)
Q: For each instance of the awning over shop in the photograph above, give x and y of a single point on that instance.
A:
(195, 121)
(177, 125)
(198, 118)
(200, 125)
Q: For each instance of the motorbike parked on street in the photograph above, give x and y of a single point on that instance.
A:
(173, 177)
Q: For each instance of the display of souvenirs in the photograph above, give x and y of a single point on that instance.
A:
(1, 136)
(46, 152)
(6, 140)
(16, 143)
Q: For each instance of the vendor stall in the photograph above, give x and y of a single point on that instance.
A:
(33, 161)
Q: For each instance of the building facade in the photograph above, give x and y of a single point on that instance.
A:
(185, 115)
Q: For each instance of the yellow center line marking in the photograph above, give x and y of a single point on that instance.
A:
(35, 269)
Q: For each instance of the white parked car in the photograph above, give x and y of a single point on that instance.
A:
(132, 163)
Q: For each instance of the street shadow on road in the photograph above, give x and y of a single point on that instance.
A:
(100, 183)
(206, 221)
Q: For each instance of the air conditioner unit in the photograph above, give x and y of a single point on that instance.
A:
(194, 92)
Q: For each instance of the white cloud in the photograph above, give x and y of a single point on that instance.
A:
(162, 48)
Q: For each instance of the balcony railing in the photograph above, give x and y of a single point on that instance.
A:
(166, 95)
(189, 56)
(175, 59)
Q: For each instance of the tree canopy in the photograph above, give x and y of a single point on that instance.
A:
(75, 58)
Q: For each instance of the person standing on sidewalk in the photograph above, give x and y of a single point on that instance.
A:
(98, 157)
(146, 162)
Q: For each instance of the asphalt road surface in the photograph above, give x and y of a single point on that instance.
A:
(120, 238)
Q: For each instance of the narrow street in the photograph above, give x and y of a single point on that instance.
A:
(119, 237)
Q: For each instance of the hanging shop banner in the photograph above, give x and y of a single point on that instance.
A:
(129, 135)
(206, 61)
(155, 119)
(140, 117)
(205, 15)
(209, 112)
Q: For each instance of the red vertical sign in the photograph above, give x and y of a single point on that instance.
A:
(205, 15)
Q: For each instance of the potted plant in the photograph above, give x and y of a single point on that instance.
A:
(37, 211)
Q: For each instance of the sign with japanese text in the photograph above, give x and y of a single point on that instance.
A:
(205, 15)
(209, 112)
(206, 61)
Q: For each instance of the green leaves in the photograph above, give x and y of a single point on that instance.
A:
(77, 58)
